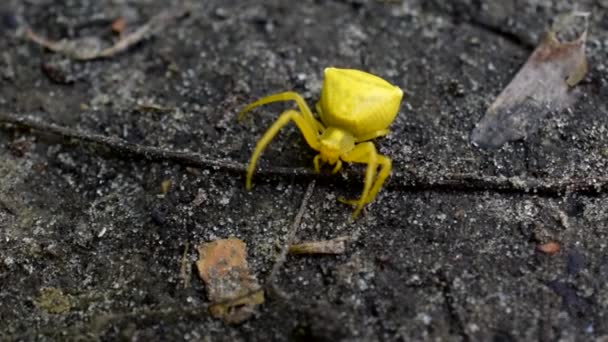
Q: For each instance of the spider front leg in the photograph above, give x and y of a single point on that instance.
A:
(286, 96)
(310, 135)
(366, 153)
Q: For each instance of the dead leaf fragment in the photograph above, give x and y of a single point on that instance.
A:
(232, 289)
(333, 246)
(119, 25)
(549, 247)
(543, 84)
(165, 186)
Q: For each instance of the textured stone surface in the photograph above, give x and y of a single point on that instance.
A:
(425, 264)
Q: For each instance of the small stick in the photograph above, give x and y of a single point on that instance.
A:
(450, 182)
(77, 50)
(333, 246)
(150, 153)
(185, 270)
(7, 208)
(282, 257)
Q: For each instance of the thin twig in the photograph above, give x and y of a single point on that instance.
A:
(88, 49)
(185, 269)
(407, 182)
(455, 320)
(282, 257)
(333, 246)
(502, 32)
(548, 187)
(7, 208)
(127, 149)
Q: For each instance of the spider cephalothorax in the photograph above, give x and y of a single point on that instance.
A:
(355, 107)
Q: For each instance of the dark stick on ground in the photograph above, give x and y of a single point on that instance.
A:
(457, 324)
(125, 149)
(282, 257)
(4, 206)
(412, 183)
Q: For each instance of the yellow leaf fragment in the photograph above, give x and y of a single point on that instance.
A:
(53, 300)
(232, 289)
(165, 186)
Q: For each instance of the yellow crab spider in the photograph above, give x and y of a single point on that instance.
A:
(355, 107)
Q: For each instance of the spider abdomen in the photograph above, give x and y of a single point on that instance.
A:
(358, 102)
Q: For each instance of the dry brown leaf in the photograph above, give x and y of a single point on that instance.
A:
(550, 248)
(543, 84)
(232, 289)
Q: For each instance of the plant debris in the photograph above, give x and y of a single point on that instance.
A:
(542, 85)
(89, 48)
(165, 186)
(414, 182)
(550, 247)
(53, 300)
(233, 291)
(333, 246)
(273, 289)
(185, 268)
(119, 25)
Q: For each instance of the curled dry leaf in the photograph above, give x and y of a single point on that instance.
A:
(543, 84)
(233, 291)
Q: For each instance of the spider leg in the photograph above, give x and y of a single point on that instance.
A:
(385, 171)
(309, 132)
(337, 167)
(363, 153)
(315, 161)
(366, 153)
(317, 164)
(286, 96)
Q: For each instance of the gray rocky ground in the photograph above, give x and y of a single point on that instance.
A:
(90, 249)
